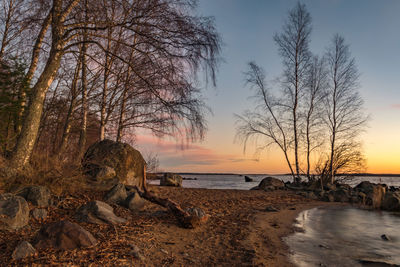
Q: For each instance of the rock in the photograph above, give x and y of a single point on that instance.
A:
(198, 216)
(248, 179)
(14, 212)
(39, 214)
(378, 194)
(341, 195)
(134, 201)
(63, 235)
(24, 249)
(116, 195)
(98, 212)
(170, 179)
(271, 209)
(105, 173)
(331, 196)
(385, 238)
(38, 195)
(312, 195)
(136, 252)
(363, 198)
(271, 183)
(365, 187)
(127, 162)
(391, 201)
(330, 186)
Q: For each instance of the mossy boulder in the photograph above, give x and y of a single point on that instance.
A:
(107, 156)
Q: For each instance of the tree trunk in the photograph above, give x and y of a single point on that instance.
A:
(82, 136)
(67, 124)
(31, 123)
(121, 117)
(185, 219)
(31, 71)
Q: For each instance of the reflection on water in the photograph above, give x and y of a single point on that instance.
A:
(345, 237)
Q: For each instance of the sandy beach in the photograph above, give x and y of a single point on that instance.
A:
(239, 232)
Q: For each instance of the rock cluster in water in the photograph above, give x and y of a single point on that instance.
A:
(378, 196)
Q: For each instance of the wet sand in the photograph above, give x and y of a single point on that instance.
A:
(240, 232)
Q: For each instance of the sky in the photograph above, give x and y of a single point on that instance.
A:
(370, 27)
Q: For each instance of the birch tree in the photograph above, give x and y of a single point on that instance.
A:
(344, 117)
(293, 45)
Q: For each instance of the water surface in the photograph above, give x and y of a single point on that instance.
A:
(345, 237)
(236, 181)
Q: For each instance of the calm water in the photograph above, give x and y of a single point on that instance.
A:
(332, 236)
(345, 237)
(222, 181)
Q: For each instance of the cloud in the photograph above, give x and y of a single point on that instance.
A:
(172, 154)
(396, 106)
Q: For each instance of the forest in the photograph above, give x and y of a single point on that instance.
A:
(77, 71)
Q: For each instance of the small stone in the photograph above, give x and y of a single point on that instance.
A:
(37, 195)
(24, 249)
(116, 195)
(271, 209)
(385, 237)
(134, 201)
(248, 179)
(98, 212)
(39, 214)
(136, 252)
(14, 212)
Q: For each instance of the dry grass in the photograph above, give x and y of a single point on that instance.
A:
(59, 177)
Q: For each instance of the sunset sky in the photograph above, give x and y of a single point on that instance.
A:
(247, 27)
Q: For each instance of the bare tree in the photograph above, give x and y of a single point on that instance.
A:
(170, 35)
(267, 121)
(315, 93)
(344, 110)
(293, 47)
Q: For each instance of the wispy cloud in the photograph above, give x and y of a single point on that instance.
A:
(175, 155)
(396, 106)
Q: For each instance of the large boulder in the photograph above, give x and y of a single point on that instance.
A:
(365, 187)
(391, 201)
(37, 195)
(98, 212)
(63, 235)
(171, 179)
(270, 183)
(105, 157)
(340, 195)
(14, 212)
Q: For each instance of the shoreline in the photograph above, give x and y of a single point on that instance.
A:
(275, 226)
(239, 232)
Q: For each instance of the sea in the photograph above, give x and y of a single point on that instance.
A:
(237, 181)
(327, 236)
